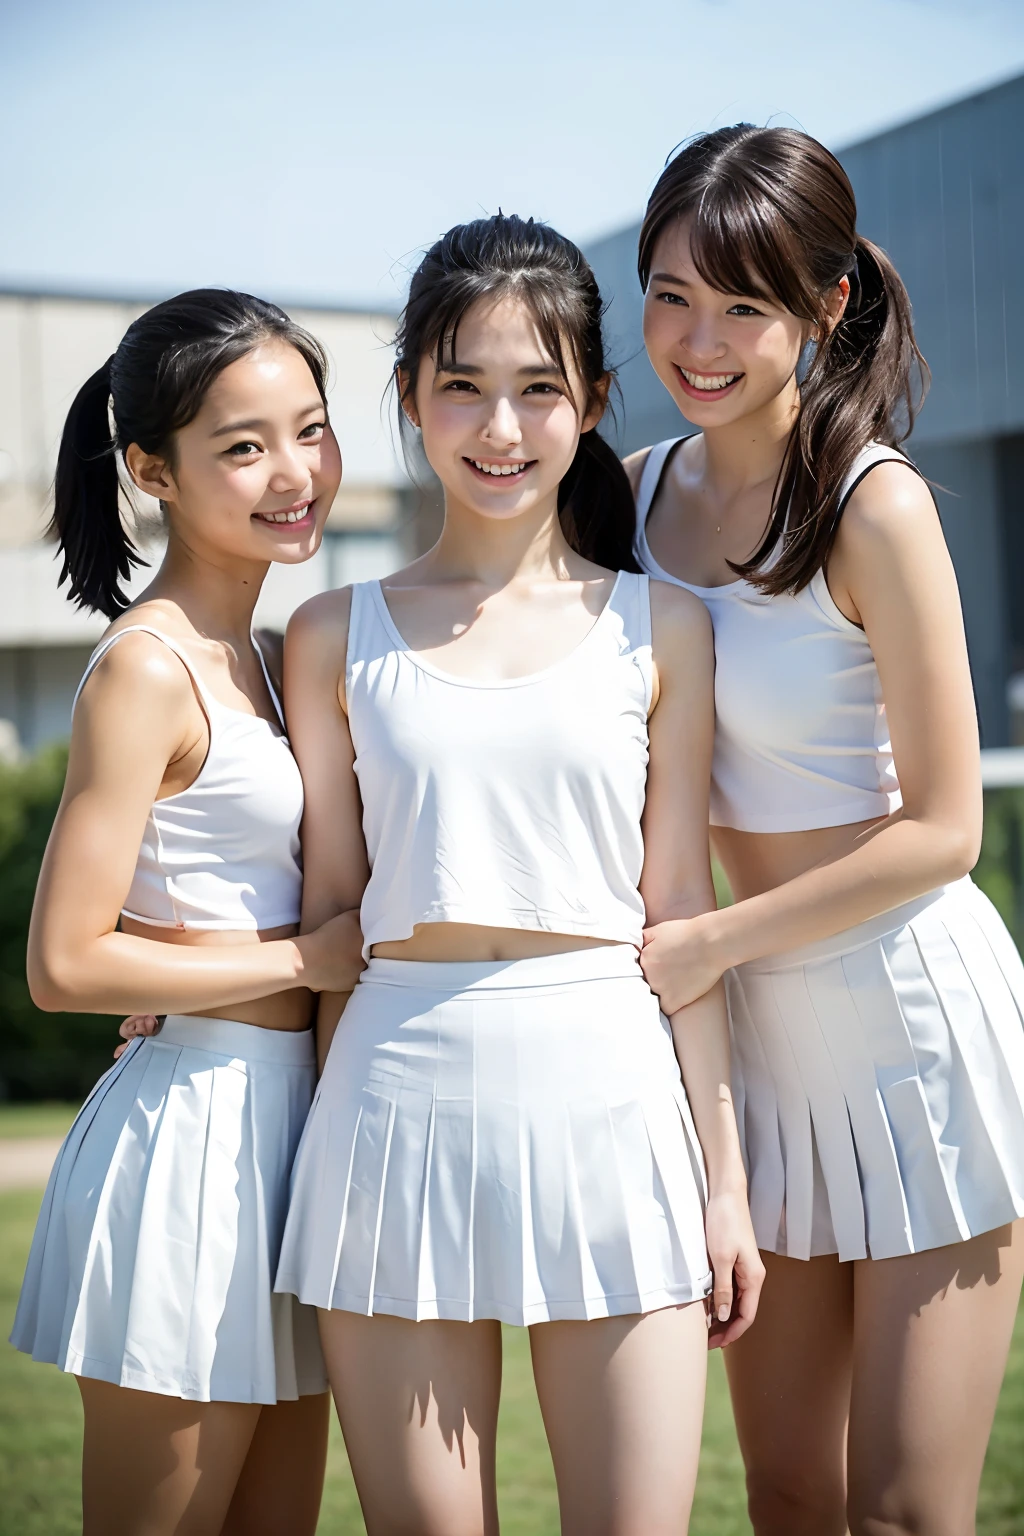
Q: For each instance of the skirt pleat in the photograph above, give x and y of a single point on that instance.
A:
(506, 1141)
(156, 1245)
(880, 1082)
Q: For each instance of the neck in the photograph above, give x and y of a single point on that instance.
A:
(749, 452)
(497, 551)
(217, 593)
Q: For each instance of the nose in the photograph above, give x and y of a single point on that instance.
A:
(502, 429)
(290, 470)
(701, 340)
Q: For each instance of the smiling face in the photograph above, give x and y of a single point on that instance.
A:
(721, 356)
(255, 472)
(500, 424)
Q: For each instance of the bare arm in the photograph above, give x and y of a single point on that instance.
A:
(891, 570)
(334, 853)
(677, 883)
(135, 716)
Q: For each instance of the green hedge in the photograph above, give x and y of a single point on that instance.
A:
(1000, 870)
(60, 1055)
(42, 1055)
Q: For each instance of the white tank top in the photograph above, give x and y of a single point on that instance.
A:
(223, 853)
(512, 804)
(801, 737)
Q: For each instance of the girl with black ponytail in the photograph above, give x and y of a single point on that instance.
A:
(876, 998)
(506, 750)
(172, 884)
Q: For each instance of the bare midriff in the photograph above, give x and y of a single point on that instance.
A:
(452, 942)
(289, 1010)
(755, 862)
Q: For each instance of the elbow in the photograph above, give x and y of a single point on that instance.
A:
(958, 849)
(46, 996)
(49, 987)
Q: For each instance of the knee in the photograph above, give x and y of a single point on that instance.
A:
(882, 1516)
(795, 1501)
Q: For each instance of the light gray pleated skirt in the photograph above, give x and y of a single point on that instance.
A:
(879, 1082)
(499, 1140)
(154, 1253)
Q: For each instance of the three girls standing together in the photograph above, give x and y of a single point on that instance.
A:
(506, 758)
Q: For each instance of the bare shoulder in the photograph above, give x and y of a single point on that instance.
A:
(139, 672)
(321, 620)
(891, 509)
(634, 467)
(677, 614)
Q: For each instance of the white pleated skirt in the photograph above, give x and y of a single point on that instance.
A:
(499, 1140)
(155, 1249)
(879, 1082)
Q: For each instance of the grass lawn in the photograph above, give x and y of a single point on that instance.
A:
(35, 1119)
(40, 1437)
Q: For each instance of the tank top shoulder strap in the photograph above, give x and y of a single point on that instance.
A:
(206, 699)
(864, 463)
(653, 473)
(368, 634)
(628, 617)
(274, 699)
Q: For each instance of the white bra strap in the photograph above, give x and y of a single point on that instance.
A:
(172, 645)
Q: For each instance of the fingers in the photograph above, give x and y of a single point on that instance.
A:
(722, 1294)
(120, 1051)
(138, 1024)
(749, 1278)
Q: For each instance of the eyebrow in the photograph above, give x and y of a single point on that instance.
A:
(667, 277)
(532, 370)
(255, 422)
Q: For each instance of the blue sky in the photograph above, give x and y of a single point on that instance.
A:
(308, 151)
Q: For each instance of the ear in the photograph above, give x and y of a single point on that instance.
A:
(598, 403)
(406, 398)
(151, 473)
(836, 305)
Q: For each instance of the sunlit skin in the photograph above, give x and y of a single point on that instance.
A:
(502, 595)
(259, 445)
(847, 1361)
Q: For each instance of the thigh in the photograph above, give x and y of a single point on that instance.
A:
(418, 1404)
(623, 1400)
(789, 1376)
(153, 1465)
(932, 1334)
(282, 1479)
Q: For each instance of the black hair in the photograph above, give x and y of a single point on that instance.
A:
(505, 255)
(774, 216)
(153, 385)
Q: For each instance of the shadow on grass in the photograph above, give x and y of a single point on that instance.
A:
(41, 1426)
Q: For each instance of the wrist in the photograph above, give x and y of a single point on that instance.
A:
(720, 939)
(301, 960)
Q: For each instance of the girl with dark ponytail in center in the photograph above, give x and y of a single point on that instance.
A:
(506, 752)
(876, 999)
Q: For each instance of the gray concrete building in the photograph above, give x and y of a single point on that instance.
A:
(944, 195)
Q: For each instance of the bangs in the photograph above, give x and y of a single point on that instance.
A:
(552, 311)
(742, 244)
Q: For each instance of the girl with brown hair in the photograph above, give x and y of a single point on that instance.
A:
(875, 996)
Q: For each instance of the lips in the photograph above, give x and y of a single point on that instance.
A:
(502, 470)
(706, 386)
(299, 515)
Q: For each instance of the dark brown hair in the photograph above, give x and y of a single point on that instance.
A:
(153, 385)
(505, 255)
(774, 217)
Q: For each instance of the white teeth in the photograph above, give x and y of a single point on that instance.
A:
(709, 381)
(283, 517)
(498, 469)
